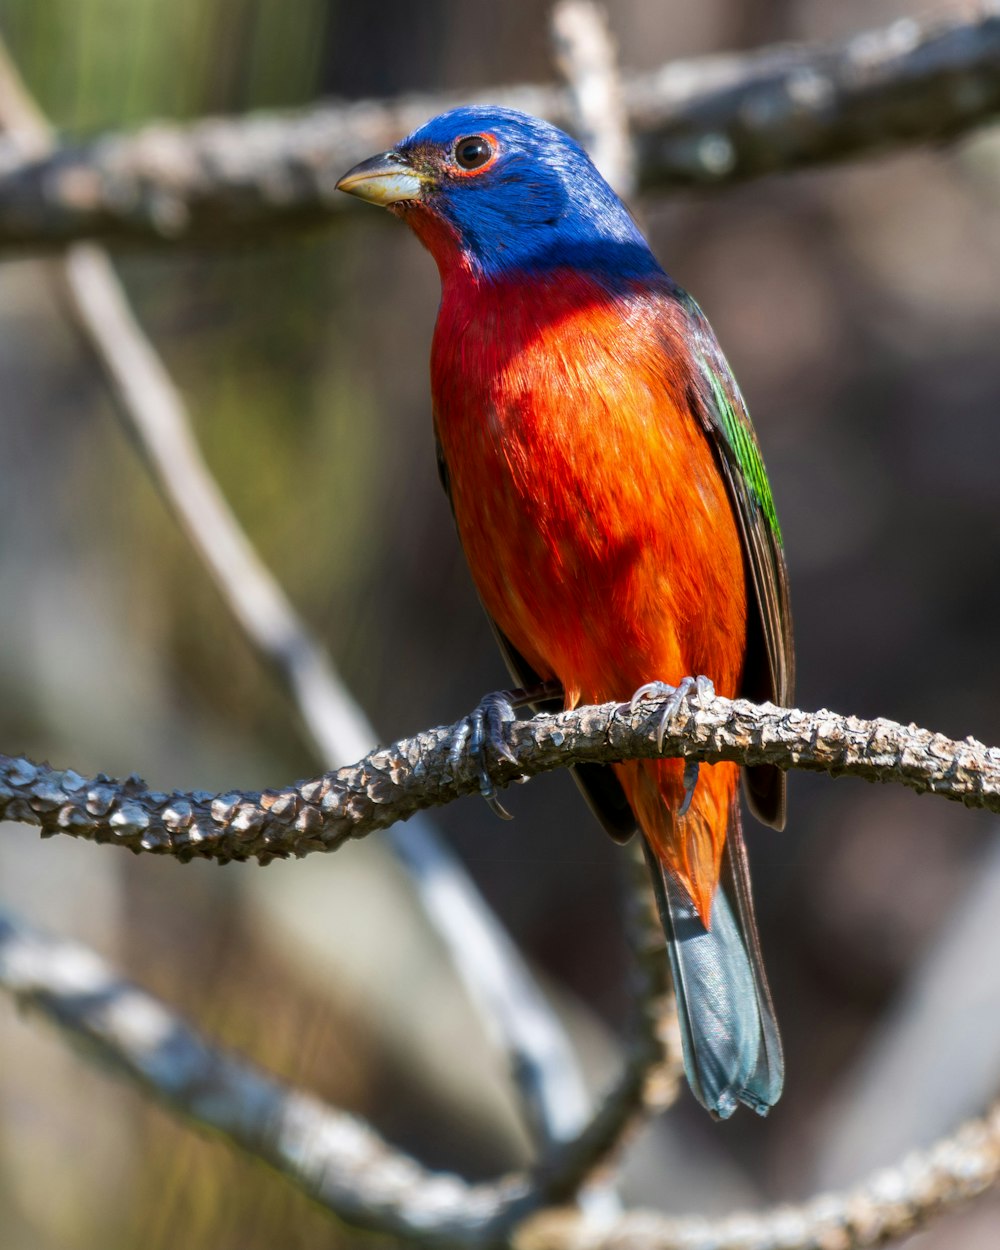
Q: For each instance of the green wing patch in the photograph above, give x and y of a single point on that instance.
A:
(741, 439)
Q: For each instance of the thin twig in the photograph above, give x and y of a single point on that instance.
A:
(588, 59)
(392, 783)
(510, 1005)
(652, 1074)
(710, 121)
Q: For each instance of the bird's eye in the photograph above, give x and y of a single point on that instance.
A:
(473, 152)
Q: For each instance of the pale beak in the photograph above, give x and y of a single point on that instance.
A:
(384, 179)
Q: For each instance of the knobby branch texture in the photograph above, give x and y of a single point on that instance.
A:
(392, 783)
(706, 121)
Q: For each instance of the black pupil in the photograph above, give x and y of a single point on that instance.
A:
(473, 152)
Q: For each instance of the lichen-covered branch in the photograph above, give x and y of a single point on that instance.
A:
(392, 783)
(706, 121)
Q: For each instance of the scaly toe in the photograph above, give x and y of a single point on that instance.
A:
(483, 731)
(681, 694)
(689, 690)
(705, 690)
(651, 690)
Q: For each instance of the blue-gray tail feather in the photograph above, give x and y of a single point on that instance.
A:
(732, 1049)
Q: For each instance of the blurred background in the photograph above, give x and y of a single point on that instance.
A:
(859, 308)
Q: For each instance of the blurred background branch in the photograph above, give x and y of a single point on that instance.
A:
(340, 1161)
(704, 122)
(890, 1204)
(588, 59)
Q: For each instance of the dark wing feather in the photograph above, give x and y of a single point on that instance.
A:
(769, 668)
(597, 782)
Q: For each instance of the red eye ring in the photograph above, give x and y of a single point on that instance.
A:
(472, 154)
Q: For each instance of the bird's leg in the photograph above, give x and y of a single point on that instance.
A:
(691, 690)
(485, 730)
(487, 723)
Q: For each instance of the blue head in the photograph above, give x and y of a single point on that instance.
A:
(504, 192)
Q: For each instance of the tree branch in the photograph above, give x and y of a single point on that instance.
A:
(512, 1008)
(709, 121)
(653, 1071)
(393, 783)
(790, 107)
(336, 1158)
(890, 1203)
(348, 1168)
(588, 58)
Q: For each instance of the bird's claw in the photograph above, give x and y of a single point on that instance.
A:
(483, 730)
(697, 690)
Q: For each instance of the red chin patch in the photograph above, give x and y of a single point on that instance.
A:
(439, 236)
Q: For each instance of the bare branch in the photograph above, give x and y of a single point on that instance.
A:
(512, 1009)
(708, 121)
(587, 56)
(790, 107)
(393, 783)
(655, 1055)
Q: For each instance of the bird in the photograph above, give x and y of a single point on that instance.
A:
(611, 499)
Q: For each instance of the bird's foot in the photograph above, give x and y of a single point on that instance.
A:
(484, 732)
(695, 691)
(691, 690)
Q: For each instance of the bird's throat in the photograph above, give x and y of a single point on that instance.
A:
(438, 236)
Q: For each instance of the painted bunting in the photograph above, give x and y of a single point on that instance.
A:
(611, 499)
